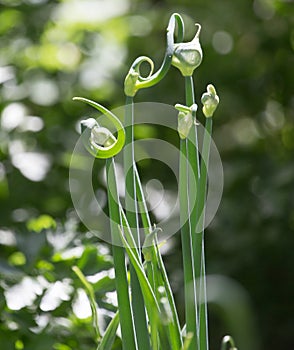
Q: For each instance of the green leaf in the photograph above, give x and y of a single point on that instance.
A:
(17, 259)
(109, 335)
(90, 292)
(155, 266)
(188, 338)
(175, 329)
(104, 285)
(148, 294)
(43, 222)
(155, 315)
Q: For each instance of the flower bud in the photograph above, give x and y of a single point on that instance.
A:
(210, 101)
(188, 56)
(131, 83)
(185, 122)
(186, 117)
(99, 141)
(102, 136)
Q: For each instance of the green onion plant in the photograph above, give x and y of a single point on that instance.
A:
(146, 312)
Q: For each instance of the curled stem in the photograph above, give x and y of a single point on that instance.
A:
(134, 80)
(228, 343)
(97, 140)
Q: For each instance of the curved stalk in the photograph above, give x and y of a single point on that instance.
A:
(98, 151)
(134, 81)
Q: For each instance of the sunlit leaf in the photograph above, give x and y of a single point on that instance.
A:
(43, 222)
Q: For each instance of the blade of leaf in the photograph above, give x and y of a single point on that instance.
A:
(151, 251)
(128, 233)
(176, 329)
(91, 295)
(153, 310)
(145, 285)
(109, 335)
(187, 341)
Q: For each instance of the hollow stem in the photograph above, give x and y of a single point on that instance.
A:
(189, 173)
(155, 78)
(189, 281)
(122, 287)
(199, 235)
(155, 267)
(139, 311)
(193, 156)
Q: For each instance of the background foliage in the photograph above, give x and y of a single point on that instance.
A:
(53, 50)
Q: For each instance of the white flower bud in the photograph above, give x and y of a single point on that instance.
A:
(188, 56)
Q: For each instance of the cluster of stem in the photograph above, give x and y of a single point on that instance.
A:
(146, 307)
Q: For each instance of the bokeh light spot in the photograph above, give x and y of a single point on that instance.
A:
(44, 92)
(264, 9)
(33, 165)
(222, 42)
(13, 115)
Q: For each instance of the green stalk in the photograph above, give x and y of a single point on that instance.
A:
(124, 305)
(154, 312)
(203, 316)
(189, 281)
(157, 267)
(139, 311)
(175, 329)
(188, 184)
(192, 151)
(199, 241)
(149, 261)
(189, 91)
(131, 243)
(142, 204)
(147, 229)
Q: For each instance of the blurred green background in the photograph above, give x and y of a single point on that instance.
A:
(51, 51)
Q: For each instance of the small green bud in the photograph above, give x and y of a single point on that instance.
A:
(185, 119)
(210, 101)
(188, 56)
(131, 82)
(185, 122)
